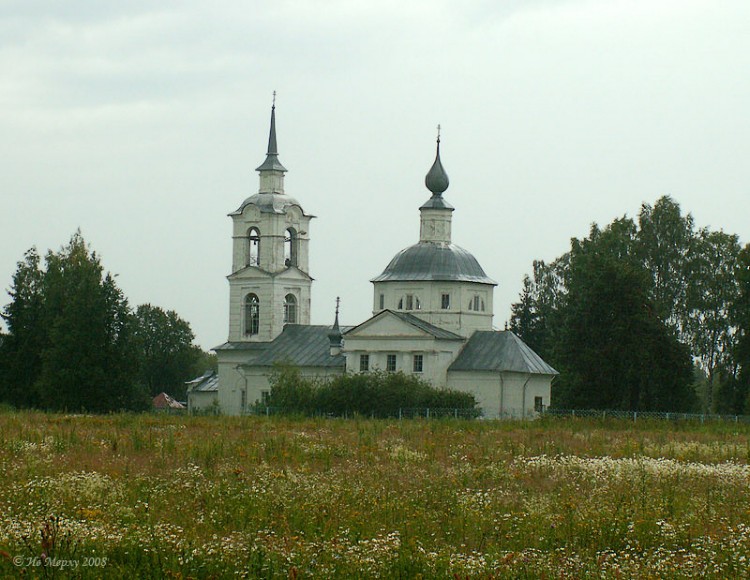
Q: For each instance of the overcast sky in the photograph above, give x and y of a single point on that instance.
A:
(141, 123)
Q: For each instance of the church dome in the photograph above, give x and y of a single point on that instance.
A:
(440, 262)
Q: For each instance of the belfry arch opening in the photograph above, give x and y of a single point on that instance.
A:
(253, 247)
(291, 247)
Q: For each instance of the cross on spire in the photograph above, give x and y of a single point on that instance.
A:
(274, 99)
(438, 139)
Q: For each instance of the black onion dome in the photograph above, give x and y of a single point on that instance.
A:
(436, 179)
(428, 261)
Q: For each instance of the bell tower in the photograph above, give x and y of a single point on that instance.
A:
(270, 283)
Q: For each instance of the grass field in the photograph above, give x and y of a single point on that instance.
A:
(128, 496)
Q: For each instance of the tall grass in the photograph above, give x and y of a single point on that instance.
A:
(215, 497)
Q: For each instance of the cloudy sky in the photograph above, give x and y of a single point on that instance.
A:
(141, 123)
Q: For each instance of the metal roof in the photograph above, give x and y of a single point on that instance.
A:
(499, 351)
(298, 344)
(436, 179)
(272, 162)
(269, 203)
(208, 382)
(434, 261)
(437, 332)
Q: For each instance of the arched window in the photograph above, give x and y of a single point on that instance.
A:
(253, 247)
(290, 309)
(252, 314)
(290, 247)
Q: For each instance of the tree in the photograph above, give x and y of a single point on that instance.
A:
(166, 353)
(614, 351)
(665, 246)
(20, 352)
(70, 335)
(711, 293)
(741, 317)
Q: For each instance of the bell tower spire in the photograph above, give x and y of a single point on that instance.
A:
(271, 170)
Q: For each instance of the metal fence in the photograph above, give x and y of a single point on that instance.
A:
(635, 415)
(401, 413)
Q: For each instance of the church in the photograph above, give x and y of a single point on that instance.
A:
(432, 311)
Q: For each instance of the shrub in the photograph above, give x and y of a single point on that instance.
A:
(377, 394)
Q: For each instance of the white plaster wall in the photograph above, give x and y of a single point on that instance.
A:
(271, 293)
(272, 229)
(202, 401)
(254, 380)
(458, 318)
(503, 395)
(437, 354)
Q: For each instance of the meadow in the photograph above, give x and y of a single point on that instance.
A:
(125, 496)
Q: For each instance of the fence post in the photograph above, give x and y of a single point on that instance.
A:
(635, 416)
(428, 412)
(399, 414)
(455, 413)
(268, 411)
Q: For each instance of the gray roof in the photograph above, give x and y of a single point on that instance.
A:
(436, 202)
(437, 332)
(434, 261)
(269, 203)
(208, 382)
(298, 344)
(499, 351)
(272, 162)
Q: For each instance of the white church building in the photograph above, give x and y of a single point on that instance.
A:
(432, 311)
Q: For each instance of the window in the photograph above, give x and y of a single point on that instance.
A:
(253, 247)
(243, 399)
(390, 363)
(538, 404)
(418, 362)
(290, 309)
(265, 397)
(445, 301)
(411, 301)
(290, 247)
(476, 303)
(252, 314)
(382, 301)
(364, 363)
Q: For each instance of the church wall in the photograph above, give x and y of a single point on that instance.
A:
(458, 318)
(437, 354)
(271, 293)
(202, 401)
(503, 395)
(252, 380)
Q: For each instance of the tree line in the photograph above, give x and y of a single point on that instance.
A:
(73, 342)
(650, 313)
